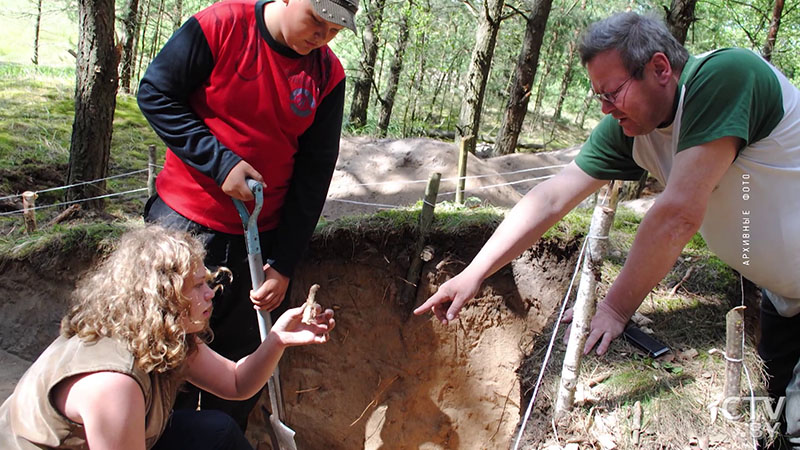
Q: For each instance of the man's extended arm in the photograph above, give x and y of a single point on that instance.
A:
(540, 209)
(669, 224)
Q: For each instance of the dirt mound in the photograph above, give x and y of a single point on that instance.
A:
(373, 174)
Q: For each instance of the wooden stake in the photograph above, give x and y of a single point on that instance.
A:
(596, 243)
(734, 330)
(462, 168)
(425, 219)
(637, 424)
(151, 170)
(28, 210)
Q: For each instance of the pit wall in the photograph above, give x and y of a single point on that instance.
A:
(386, 379)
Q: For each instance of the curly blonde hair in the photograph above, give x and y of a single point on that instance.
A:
(134, 296)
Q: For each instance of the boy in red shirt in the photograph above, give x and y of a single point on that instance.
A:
(247, 89)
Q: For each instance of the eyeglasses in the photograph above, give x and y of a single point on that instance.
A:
(611, 97)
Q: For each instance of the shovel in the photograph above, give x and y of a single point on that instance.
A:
(281, 434)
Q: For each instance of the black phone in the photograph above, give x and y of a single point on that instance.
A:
(652, 346)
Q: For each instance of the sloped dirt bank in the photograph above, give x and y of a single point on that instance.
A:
(387, 379)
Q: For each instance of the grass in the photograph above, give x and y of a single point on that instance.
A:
(680, 393)
(64, 239)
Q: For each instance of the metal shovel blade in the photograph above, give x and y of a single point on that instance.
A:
(283, 436)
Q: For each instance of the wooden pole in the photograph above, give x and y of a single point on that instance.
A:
(636, 427)
(425, 220)
(463, 152)
(583, 311)
(734, 330)
(28, 210)
(151, 170)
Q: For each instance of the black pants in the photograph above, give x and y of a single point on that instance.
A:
(233, 319)
(779, 347)
(201, 430)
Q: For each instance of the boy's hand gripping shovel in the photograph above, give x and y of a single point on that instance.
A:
(282, 434)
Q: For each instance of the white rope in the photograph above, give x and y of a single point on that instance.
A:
(500, 184)
(379, 205)
(116, 194)
(57, 188)
(549, 349)
(467, 177)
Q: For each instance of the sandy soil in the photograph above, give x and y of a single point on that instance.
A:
(382, 173)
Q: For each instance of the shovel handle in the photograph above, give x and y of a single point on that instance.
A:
(253, 243)
(256, 263)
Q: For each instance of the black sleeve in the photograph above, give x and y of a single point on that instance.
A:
(313, 169)
(180, 68)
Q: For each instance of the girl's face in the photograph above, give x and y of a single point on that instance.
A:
(303, 30)
(199, 293)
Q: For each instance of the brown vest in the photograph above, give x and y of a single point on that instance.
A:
(28, 419)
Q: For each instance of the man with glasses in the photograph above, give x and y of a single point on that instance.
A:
(721, 131)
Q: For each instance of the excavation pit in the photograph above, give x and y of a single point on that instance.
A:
(387, 378)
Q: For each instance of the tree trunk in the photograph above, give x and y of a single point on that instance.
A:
(566, 80)
(679, 17)
(774, 25)
(154, 46)
(130, 22)
(177, 17)
(38, 26)
(95, 100)
(549, 60)
(141, 35)
(387, 102)
(586, 301)
(469, 118)
(587, 103)
(363, 84)
(524, 74)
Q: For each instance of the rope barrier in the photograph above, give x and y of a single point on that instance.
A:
(57, 188)
(115, 194)
(355, 202)
(479, 188)
(468, 177)
(379, 205)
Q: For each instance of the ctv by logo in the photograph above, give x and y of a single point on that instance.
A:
(769, 419)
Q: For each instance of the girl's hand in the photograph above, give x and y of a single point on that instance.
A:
(290, 330)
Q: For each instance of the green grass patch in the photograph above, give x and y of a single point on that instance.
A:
(64, 240)
(448, 217)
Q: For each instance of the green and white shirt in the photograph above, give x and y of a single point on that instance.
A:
(753, 217)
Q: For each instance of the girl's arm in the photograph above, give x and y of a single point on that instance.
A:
(110, 405)
(240, 380)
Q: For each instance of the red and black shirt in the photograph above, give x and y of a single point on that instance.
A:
(222, 90)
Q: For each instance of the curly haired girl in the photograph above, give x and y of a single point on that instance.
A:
(137, 329)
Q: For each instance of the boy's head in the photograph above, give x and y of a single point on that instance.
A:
(306, 25)
(340, 12)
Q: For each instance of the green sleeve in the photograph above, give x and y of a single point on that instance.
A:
(731, 92)
(608, 153)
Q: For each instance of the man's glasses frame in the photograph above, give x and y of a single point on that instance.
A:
(611, 97)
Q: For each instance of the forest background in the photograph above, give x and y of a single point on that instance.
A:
(503, 72)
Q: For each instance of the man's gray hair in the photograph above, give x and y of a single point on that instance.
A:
(636, 37)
